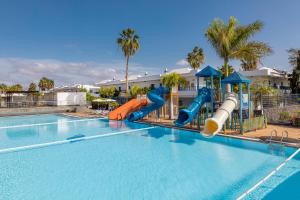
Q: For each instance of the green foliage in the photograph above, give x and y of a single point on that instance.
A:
(137, 90)
(145, 90)
(107, 92)
(89, 96)
(195, 58)
(32, 87)
(223, 70)
(15, 88)
(294, 60)
(129, 42)
(104, 105)
(46, 84)
(263, 90)
(231, 41)
(173, 79)
(3, 87)
(284, 116)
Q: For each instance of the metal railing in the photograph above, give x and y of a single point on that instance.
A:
(27, 104)
(279, 100)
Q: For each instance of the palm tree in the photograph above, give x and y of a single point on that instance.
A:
(32, 87)
(46, 84)
(294, 60)
(195, 58)
(249, 65)
(15, 88)
(129, 42)
(50, 84)
(3, 87)
(135, 90)
(231, 41)
(171, 81)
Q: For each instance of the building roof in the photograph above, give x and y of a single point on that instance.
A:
(144, 78)
(265, 71)
(236, 77)
(208, 71)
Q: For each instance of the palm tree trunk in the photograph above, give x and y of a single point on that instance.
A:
(226, 73)
(226, 67)
(171, 105)
(126, 76)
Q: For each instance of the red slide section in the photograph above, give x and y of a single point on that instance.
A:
(123, 111)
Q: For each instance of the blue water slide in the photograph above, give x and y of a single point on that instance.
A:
(157, 99)
(187, 115)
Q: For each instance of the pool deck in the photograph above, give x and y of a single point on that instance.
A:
(258, 135)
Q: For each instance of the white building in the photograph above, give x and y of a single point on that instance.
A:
(154, 81)
(92, 89)
(261, 76)
(266, 76)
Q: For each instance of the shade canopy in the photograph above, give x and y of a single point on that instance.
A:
(104, 100)
(236, 78)
(208, 71)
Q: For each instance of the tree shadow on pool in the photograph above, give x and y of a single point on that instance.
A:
(156, 134)
(176, 136)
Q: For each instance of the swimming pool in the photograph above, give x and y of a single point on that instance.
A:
(70, 158)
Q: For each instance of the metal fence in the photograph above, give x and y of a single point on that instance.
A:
(280, 100)
(28, 104)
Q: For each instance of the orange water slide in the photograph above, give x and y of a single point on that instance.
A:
(123, 111)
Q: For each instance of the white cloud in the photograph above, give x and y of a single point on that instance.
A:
(24, 71)
(182, 62)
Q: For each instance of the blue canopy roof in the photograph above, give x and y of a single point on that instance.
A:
(208, 72)
(236, 78)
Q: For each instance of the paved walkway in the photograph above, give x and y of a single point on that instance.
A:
(293, 132)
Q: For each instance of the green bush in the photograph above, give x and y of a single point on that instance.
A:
(284, 116)
(104, 105)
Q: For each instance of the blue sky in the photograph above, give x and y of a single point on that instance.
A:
(75, 41)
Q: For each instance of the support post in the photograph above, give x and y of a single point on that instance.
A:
(198, 85)
(249, 105)
(220, 86)
(241, 107)
(211, 96)
(206, 104)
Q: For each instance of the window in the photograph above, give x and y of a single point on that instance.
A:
(120, 88)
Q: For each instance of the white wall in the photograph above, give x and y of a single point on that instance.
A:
(71, 98)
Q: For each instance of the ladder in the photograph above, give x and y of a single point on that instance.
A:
(284, 135)
(277, 145)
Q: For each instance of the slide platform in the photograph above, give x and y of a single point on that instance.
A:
(214, 125)
(157, 101)
(123, 111)
(187, 115)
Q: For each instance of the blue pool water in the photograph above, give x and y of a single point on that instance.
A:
(136, 162)
(32, 119)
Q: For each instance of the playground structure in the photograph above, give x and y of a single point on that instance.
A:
(235, 113)
(213, 110)
(208, 95)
